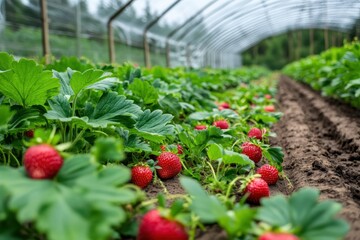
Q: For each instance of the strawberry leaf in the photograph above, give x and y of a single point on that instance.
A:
(6, 115)
(208, 208)
(108, 150)
(113, 109)
(27, 84)
(275, 155)
(154, 126)
(305, 215)
(231, 157)
(91, 79)
(64, 78)
(144, 90)
(215, 151)
(5, 61)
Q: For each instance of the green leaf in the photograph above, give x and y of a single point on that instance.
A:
(275, 155)
(144, 90)
(305, 215)
(170, 105)
(231, 157)
(64, 78)
(200, 116)
(215, 151)
(132, 142)
(27, 84)
(108, 150)
(239, 221)
(113, 109)
(5, 61)
(208, 208)
(59, 219)
(154, 126)
(60, 109)
(91, 79)
(5, 116)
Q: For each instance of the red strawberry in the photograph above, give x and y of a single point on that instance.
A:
(155, 227)
(268, 96)
(180, 149)
(224, 105)
(269, 108)
(163, 148)
(42, 161)
(252, 151)
(170, 165)
(141, 175)
(222, 124)
(255, 133)
(278, 236)
(257, 189)
(29, 133)
(269, 173)
(200, 127)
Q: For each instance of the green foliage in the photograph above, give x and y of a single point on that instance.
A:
(334, 72)
(27, 84)
(304, 215)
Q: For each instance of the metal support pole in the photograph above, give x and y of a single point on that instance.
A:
(111, 33)
(147, 28)
(180, 27)
(290, 46)
(45, 31)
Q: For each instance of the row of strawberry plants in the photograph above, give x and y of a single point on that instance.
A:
(334, 72)
(79, 128)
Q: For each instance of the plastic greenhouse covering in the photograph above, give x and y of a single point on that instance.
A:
(198, 33)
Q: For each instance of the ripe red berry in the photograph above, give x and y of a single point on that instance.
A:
(180, 149)
(42, 161)
(268, 96)
(255, 133)
(29, 133)
(269, 108)
(252, 151)
(222, 124)
(155, 227)
(224, 105)
(278, 236)
(269, 173)
(170, 165)
(200, 127)
(163, 148)
(141, 176)
(256, 190)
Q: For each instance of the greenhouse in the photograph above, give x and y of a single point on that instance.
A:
(179, 119)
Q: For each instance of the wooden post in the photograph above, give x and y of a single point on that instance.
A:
(326, 38)
(290, 46)
(299, 45)
(78, 28)
(311, 36)
(45, 31)
(111, 33)
(147, 28)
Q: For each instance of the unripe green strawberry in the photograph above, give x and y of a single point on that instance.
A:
(257, 188)
(222, 124)
(42, 161)
(255, 133)
(155, 227)
(269, 173)
(252, 151)
(141, 175)
(170, 165)
(278, 236)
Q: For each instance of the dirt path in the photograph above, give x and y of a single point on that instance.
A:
(321, 141)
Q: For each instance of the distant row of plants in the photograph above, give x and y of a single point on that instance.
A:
(334, 72)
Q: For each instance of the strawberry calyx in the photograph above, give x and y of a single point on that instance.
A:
(245, 181)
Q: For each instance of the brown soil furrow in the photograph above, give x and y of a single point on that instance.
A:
(321, 145)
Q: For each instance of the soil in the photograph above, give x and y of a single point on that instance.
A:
(321, 141)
